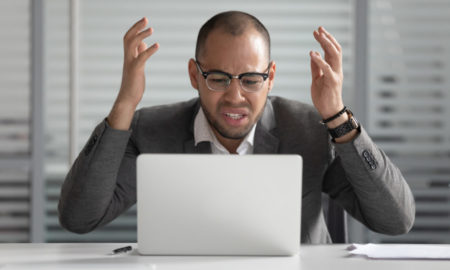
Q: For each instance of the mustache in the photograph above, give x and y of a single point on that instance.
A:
(234, 105)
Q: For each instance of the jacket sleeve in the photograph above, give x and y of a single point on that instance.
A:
(364, 181)
(102, 181)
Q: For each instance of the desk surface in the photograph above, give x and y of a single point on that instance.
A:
(97, 256)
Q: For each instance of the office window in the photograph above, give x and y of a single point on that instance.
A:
(102, 25)
(409, 115)
(15, 121)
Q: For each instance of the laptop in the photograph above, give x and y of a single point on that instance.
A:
(200, 204)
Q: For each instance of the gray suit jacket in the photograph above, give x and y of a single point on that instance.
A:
(357, 175)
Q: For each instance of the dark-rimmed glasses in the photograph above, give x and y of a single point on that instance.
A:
(217, 80)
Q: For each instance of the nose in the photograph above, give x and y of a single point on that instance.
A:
(233, 94)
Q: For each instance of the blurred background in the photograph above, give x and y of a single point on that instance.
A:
(60, 71)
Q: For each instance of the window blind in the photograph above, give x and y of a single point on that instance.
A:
(176, 24)
(14, 120)
(409, 116)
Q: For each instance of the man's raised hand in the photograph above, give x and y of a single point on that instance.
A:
(136, 54)
(327, 75)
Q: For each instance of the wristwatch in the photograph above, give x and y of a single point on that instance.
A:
(346, 127)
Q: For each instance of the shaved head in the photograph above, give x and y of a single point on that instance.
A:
(234, 23)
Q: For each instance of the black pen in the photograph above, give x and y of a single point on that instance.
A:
(122, 250)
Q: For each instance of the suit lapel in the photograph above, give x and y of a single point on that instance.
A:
(189, 145)
(266, 141)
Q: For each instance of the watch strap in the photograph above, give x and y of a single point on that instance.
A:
(345, 127)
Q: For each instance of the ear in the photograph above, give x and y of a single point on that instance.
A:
(193, 73)
(271, 78)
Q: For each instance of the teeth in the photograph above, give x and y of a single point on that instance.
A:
(234, 115)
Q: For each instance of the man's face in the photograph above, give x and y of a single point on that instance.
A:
(233, 112)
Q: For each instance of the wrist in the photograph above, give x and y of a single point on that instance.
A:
(125, 104)
(127, 100)
(344, 128)
(121, 115)
(329, 117)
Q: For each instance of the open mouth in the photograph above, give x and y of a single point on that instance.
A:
(235, 119)
(235, 116)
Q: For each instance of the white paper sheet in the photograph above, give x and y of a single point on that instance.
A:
(401, 251)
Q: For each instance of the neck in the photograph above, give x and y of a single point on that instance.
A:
(230, 144)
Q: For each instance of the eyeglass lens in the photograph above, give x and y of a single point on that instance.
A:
(220, 82)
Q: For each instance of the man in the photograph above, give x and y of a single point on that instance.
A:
(233, 75)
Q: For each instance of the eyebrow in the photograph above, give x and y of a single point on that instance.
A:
(218, 70)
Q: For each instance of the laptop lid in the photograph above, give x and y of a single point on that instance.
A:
(218, 204)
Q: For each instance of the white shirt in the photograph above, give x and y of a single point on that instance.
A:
(203, 132)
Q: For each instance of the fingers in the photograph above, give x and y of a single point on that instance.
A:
(137, 27)
(325, 43)
(331, 38)
(331, 48)
(316, 72)
(319, 66)
(141, 36)
(133, 39)
(147, 53)
(137, 42)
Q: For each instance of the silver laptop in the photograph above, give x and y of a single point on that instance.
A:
(218, 204)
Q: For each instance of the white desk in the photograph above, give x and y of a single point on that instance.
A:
(96, 256)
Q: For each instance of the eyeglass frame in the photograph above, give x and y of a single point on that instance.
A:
(205, 75)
